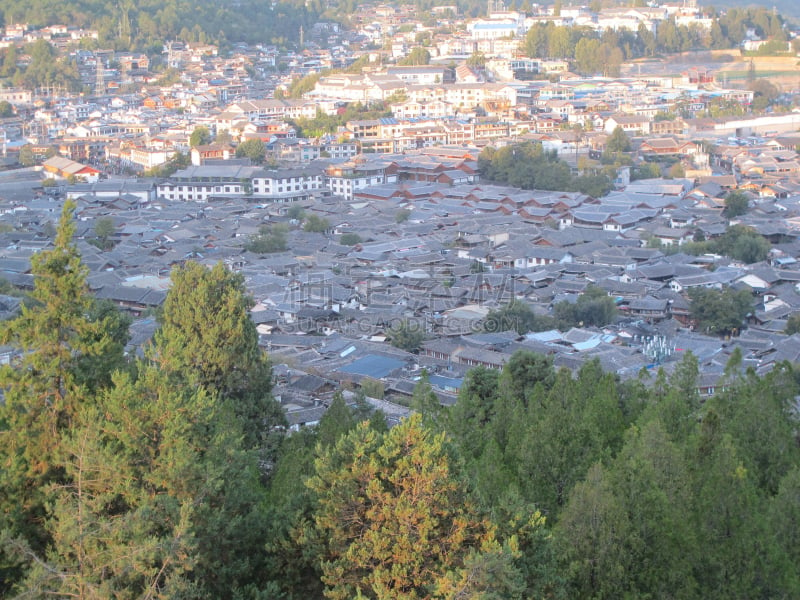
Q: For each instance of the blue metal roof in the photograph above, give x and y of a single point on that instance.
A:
(372, 365)
(446, 383)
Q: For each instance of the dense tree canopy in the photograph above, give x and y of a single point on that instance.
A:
(516, 316)
(146, 24)
(739, 242)
(736, 204)
(316, 224)
(394, 519)
(742, 243)
(720, 311)
(417, 56)
(200, 137)
(270, 238)
(593, 307)
(57, 338)
(119, 480)
(350, 239)
(46, 68)
(528, 166)
(407, 335)
(253, 149)
(793, 324)
(618, 142)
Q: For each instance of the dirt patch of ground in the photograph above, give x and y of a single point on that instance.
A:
(728, 66)
(782, 71)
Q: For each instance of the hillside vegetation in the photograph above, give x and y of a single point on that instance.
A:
(127, 25)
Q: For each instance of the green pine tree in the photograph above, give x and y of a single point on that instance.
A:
(60, 337)
(393, 520)
(208, 339)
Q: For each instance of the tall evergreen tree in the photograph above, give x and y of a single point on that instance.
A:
(425, 401)
(58, 335)
(336, 421)
(159, 498)
(784, 527)
(290, 508)
(473, 412)
(115, 532)
(758, 414)
(591, 535)
(651, 480)
(394, 520)
(729, 517)
(50, 334)
(208, 339)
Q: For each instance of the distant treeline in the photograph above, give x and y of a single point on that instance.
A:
(145, 25)
(603, 52)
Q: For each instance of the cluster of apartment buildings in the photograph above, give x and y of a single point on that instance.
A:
(432, 105)
(341, 177)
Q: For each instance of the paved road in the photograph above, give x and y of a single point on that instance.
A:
(20, 175)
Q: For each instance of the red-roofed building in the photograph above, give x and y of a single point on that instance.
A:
(58, 166)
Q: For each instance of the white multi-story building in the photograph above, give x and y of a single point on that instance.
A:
(465, 95)
(414, 110)
(200, 183)
(421, 75)
(630, 18)
(345, 87)
(147, 158)
(340, 149)
(345, 178)
(287, 185)
(16, 96)
(293, 109)
(492, 30)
